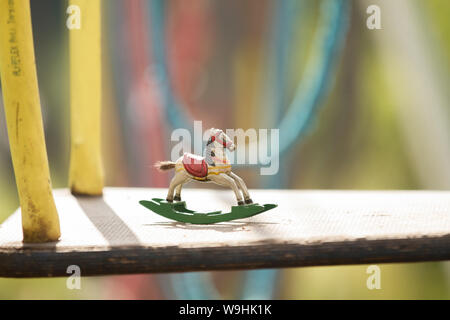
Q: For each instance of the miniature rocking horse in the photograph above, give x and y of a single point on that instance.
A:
(214, 167)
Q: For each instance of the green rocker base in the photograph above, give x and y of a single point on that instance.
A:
(177, 211)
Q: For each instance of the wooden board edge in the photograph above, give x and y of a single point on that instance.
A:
(174, 259)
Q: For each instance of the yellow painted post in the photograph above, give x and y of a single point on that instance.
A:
(40, 220)
(86, 169)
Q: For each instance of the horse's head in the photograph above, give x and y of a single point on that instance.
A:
(219, 138)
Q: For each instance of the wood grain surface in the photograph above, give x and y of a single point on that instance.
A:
(113, 234)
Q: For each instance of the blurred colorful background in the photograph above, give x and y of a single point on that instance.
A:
(356, 108)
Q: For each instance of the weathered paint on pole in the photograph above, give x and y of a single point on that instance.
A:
(40, 220)
(86, 169)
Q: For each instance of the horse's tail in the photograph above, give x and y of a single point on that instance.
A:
(164, 165)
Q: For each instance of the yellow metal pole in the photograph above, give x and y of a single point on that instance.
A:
(40, 221)
(86, 169)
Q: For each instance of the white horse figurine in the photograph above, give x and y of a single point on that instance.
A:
(214, 167)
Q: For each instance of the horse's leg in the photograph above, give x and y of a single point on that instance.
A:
(225, 180)
(237, 183)
(177, 179)
(178, 192)
(240, 182)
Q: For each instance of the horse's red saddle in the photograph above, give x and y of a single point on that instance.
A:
(195, 165)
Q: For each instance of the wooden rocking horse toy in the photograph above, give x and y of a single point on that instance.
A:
(213, 167)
